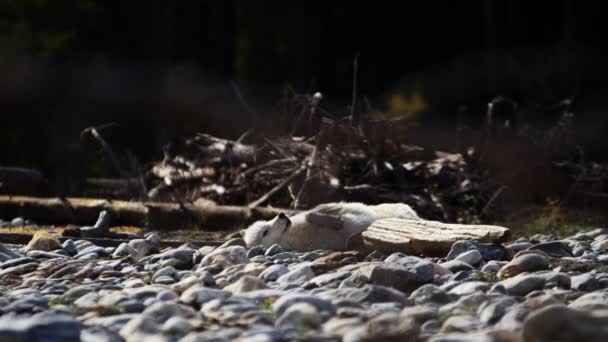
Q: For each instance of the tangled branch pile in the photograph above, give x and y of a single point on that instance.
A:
(338, 163)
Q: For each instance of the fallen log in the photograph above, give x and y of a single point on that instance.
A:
(23, 239)
(156, 215)
(430, 238)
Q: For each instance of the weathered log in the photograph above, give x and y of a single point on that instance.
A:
(23, 239)
(156, 215)
(426, 237)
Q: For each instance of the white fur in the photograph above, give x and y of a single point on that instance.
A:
(298, 233)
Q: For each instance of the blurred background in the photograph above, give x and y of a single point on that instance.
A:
(161, 71)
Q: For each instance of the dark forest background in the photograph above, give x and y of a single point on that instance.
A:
(167, 69)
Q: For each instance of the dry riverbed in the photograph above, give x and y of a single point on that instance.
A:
(534, 289)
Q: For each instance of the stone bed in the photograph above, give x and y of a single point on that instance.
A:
(537, 289)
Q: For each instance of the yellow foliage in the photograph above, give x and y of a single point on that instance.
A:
(399, 104)
(402, 105)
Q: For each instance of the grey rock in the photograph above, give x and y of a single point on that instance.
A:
(182, 257)
(590, 235)
(69, 247)
(491, 311)
(472, 257)
(113, 323)
(299, 274)
(138, 325)
(28, 304)
(124, 249)
(559, 279)
(143, 247)
(100, 251)
(165, 271)
(493, 266)
(88, 300)
(488, 251)
(301, 314)
(201, 252)
(386, 327)
(368, 294)
(213, 335)
(200, 295)
(226, 256)
(18, 270)
(523, 284)
(513, 319)
(585, 282)
(16, 262)
(40, 327)
(574, 325)
(457, 265)
(469, 287)
(556, 249)
(528, 262)
(519, 246)
(591, 301)
(177, 325)
(9, 252)
(273, 272)
(162, 311)
(131, 306)
(274, 249)
(18, 222)
(327, 278)
(461, 323)
(341, 326)
(44, 255)
(234, 242)
(283, 303)
(429, 293)
(404, 278)
(99, 334)
(419, 313)
(255, 251)
(167, 296)
(245, 284)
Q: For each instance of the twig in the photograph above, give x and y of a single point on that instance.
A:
(278, 188)
(496, 194)
(312, 163)
(266, 165)
(242, 100)
(106, 147)
(355, 121)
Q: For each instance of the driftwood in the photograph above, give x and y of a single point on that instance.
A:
(156, 215)
(426, 237)
(23, 239)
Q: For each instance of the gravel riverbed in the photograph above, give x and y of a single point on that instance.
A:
(536, 289)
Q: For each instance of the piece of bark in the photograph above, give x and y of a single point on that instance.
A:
(156, 215)
(426, 237)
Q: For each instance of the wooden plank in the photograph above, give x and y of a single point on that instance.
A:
(23, 239)
(426, 237)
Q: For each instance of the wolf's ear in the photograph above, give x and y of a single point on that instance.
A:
(284, 217)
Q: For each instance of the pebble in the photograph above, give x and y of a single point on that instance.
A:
(477, 292)
(585, 282)
(523, 284)
(521, 263)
